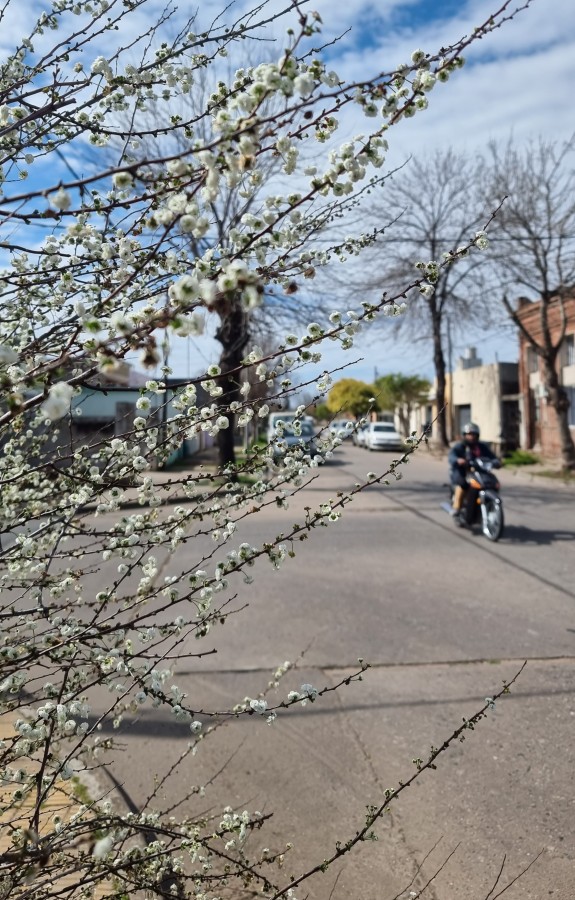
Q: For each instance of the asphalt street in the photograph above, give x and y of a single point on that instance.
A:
(444, 617)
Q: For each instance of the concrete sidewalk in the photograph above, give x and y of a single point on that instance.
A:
(547, 473)
(169, 481)
(63, 802)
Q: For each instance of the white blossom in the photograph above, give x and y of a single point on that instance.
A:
(57, 404)
(103, 846)
(61, 200)
(101, 66)
(123, 180)
(304, 84)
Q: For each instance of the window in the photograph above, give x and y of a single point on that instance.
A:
(463, 416)
(569, 350)
(571, 413)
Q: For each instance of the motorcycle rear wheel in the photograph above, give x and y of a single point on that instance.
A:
(493, 527)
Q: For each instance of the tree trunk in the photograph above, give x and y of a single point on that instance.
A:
(404, 416)
(233, 335)
(558, 399)
(439, 364)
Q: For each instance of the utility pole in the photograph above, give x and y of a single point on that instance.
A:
(450, 367)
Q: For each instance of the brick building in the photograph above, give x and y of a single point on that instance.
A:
(539, 421)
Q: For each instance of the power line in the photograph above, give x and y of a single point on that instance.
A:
(493, 239)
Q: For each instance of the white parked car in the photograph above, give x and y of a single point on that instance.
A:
(383, 436)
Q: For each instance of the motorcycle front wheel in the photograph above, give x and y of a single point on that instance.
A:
(493, 523)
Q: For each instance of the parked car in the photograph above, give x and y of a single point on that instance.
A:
(303, 437)
(287, 417)
(383, 436)
(359, 435)
(341, 427)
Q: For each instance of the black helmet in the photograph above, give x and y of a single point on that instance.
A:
(471, 428)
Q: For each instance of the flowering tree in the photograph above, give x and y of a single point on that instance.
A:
(94, 271)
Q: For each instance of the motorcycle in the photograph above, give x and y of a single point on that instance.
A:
(482, 501)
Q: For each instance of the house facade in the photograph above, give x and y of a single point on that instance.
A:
(108, 409)
(489, 396)
(539, 420)
(485, 394)
(425, 415)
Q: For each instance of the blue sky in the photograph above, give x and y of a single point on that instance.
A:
(394, 17)
(517, 81)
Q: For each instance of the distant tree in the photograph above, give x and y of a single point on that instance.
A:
(321, 411)
(239, 323)
(436, 204)
(401, 393)
(533, 250)
(351, 396)
(241, 203)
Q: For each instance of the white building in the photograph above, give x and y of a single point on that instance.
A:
(489, 396)
(485, 394)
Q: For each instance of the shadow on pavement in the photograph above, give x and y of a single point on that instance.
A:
(519, 534)
(164, 727)
(405, 486)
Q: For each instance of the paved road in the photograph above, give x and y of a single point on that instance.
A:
(443, 616)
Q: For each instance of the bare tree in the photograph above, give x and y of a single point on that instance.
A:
(165, 128)
(435, 207)
(534, 252)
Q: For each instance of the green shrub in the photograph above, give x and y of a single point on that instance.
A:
(520, 458)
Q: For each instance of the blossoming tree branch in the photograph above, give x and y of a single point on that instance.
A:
(99, 261)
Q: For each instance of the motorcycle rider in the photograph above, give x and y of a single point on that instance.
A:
(460, 455)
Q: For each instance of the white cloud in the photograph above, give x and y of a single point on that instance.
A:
(517, 80)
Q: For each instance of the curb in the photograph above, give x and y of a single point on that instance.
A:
(539, 472)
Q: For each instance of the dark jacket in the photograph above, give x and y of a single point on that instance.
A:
(461, 450)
